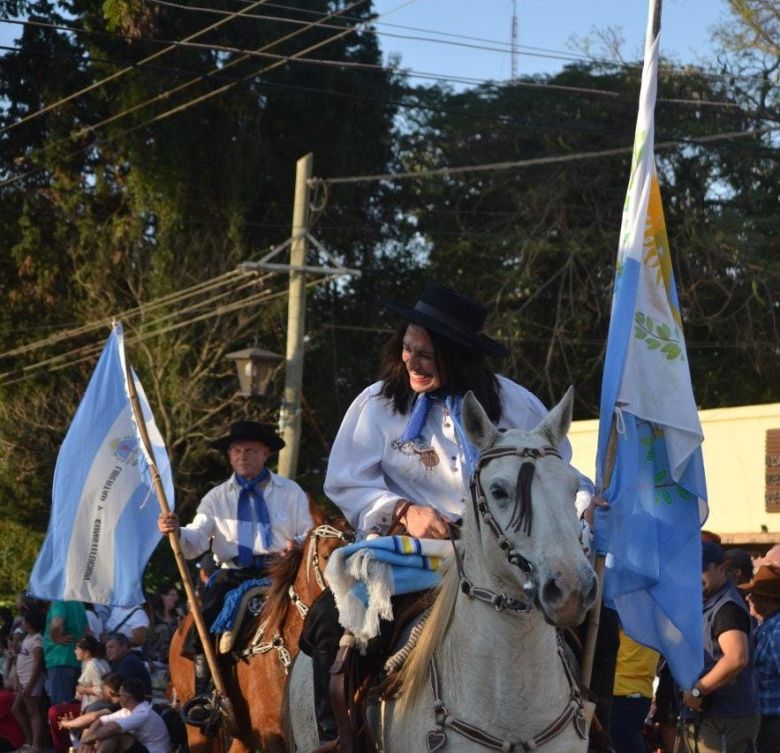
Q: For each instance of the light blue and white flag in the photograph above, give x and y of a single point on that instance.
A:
(103, 525)
(656, 487)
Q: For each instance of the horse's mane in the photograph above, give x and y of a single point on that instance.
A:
(282, 573)
(413, 676)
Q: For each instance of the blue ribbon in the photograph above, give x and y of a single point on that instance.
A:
(251, 492)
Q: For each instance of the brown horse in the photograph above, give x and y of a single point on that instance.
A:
(256, 680)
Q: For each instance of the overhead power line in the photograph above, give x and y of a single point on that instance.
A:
(536, 161)
(118, 74)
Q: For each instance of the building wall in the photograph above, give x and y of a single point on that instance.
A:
(735, 464)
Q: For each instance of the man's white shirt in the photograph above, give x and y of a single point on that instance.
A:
(144, 724)
(216, 520)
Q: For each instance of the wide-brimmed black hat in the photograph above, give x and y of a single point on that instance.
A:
(253, 430)
(452, 315)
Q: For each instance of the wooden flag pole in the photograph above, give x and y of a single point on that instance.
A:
(225, 704)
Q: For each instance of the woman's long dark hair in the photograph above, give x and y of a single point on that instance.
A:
(461, 369)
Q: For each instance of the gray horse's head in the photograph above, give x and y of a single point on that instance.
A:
(530, 495)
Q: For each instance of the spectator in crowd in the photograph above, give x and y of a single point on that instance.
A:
(165, 619)
(127, 662)
(130, 621)
(772, 557)
(763, 595)
(721, 709)
(66, 623)
(28, 706)
(135, 728)
(633, 692)
(739, 566)
(11, 734)
(89, 651)
(108, 704)
(94, 620)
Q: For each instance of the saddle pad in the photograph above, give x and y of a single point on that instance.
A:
(230, 608)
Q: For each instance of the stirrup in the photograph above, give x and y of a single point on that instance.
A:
(202, 712)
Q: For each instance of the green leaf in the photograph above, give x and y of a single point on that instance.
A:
(660, 476)
(664, 331)
(639, 318)
(640, 333)
(672, 350)
(649, 323)
(653, 344)
(667, 496)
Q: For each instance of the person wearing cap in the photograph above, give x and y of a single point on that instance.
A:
(721, 709)
(401, 455)
(763, 595)
(739, 566)
(248, 518)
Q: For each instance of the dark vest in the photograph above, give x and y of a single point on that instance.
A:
(740, 697)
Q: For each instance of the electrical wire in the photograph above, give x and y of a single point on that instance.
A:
(89, 352)
(554, 159)
(118, 74)
(167, 93)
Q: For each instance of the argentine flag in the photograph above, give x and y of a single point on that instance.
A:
(103, 525)
(649, 462)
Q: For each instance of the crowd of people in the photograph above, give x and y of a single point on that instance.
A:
(735, 704)
(77, 674)
(400, 462)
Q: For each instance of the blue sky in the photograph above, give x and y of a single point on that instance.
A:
(550, 24)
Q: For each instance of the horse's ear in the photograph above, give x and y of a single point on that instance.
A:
(478, 427)
(556, 425)
(318, 516)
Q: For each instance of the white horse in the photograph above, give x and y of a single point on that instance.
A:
(488, 672)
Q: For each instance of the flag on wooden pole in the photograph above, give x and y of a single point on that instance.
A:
(649, 460)
(103, 525)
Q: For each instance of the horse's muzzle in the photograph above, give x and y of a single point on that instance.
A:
(567, 595)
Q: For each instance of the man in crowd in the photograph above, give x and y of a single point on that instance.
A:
(763, 595)
(135, 728)
(252, 515)
(66, 623)
(721, 709)
(126, 662)
(739, 566)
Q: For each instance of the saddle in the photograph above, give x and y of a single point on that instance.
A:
(251, 603)
(358, 684)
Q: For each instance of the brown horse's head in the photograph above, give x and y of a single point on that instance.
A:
(298, 575)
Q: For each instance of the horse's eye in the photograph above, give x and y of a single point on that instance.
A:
(499, 492)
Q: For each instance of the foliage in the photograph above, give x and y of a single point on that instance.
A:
(17, 556)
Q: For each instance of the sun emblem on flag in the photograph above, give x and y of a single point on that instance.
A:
(126, 450)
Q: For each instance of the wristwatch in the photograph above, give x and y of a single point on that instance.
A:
(696, 692)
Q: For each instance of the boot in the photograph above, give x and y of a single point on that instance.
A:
(323, 710)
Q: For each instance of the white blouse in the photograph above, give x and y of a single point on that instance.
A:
(216, 520)
(368, 473)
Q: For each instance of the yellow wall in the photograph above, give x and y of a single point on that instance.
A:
(734, 449)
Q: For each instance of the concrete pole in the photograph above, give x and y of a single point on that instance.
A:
(290, 415)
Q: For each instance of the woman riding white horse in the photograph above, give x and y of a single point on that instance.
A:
(401, 454)
(488, 671)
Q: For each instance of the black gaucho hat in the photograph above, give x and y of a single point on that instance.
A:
(452, 315)
(252, 430)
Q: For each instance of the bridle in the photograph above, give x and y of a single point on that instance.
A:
(522, 519)
(257, 645)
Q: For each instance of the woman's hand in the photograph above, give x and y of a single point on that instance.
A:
(425, 523)
(589, 513)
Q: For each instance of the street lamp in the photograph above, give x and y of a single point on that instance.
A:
(255, 367)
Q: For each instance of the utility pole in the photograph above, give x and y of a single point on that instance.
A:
(513, 52)
(290, 415)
